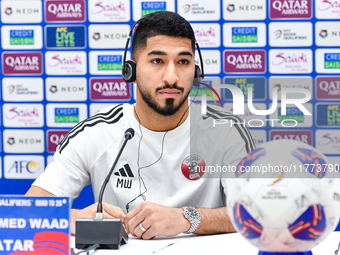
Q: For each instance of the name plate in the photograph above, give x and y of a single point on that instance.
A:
(34, 225)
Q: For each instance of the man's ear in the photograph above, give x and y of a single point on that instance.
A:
(129, 71)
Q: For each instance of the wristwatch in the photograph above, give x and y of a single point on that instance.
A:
(193, 216)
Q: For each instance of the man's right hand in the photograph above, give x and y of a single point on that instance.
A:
(109, 211)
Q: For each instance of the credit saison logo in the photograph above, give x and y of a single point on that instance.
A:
(280, 9)
(244, 34)
(293, 114)
(66, 115)
(21, 37)
(73, 11)
(150, 7)
(109, 62)
(65, 37)
(332, 60)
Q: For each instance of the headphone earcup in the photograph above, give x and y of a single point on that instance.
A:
(198, 76)
(129, 71)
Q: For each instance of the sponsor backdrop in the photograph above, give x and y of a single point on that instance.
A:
(61, 62)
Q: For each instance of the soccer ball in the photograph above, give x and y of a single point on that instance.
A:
(285, 197)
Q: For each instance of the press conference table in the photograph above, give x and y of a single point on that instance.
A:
(228, 244)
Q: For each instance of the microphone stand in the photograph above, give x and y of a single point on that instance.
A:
(105, 233)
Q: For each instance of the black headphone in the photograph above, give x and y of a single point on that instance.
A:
(129, 67)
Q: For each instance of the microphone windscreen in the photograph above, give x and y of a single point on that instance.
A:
(129, 133)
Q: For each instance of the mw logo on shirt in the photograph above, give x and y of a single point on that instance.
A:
(124, 172)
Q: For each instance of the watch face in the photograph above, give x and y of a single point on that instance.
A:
(193, 213)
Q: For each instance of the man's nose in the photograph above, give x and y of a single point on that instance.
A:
(170, 74)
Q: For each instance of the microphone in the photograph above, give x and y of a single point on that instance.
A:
(107, 233)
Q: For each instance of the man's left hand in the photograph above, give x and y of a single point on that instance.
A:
(157, 220)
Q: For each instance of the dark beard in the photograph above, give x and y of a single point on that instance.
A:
(169, 108)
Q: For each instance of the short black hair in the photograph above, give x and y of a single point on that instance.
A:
(161, 23)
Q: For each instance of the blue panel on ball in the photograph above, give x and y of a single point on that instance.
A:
(310, 225)
(249, 160)
(246, 224)
(284, 253)
(314, 163)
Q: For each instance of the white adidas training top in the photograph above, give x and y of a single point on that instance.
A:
(88, 151)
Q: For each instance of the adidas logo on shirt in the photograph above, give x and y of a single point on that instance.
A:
(124, 172)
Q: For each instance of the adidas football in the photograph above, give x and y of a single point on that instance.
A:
(284, 197)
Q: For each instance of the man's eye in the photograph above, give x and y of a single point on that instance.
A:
(157, 61)
(184, 62)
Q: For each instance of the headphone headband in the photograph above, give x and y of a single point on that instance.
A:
(129, 67)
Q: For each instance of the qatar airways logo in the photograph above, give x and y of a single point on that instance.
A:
(72, 11)
(282, 58)
(113, 89)
(245, 61)
(288, 9)
(57, 60)
(22, 63)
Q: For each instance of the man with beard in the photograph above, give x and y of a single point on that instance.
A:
(157, 175)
